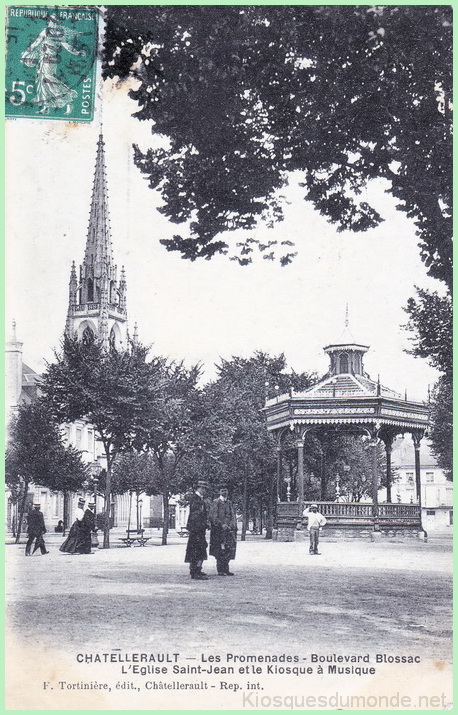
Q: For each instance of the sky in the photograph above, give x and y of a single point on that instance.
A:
(200, 311)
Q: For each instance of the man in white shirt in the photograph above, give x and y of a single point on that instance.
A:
(315, 522)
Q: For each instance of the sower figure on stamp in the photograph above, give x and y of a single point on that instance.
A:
(35, 530)
(223, 532)
(314, 525)
(44, 55)
(196, 549)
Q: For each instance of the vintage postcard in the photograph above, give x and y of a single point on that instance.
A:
(228, 357)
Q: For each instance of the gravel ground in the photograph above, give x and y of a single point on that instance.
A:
(355, 598)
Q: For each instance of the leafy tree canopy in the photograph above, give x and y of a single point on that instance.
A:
(431, 321)
(246, 95)
(114, 390)
(232, 440)
(133, 472)
(441, 432)
(36, 452)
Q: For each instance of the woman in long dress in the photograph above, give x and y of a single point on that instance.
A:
(44, 55)
(75, 543)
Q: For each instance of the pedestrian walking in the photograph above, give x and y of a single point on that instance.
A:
(74, 543)
(35, 530)
(315, 522)
(197, 524)
(223, 532)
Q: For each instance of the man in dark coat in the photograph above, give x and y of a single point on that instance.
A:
(223, 532)
(197, 525)
(35, 530)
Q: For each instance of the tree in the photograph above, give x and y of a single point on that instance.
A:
(245, 96)
(169, 430)
(235, 448)
(430, 320)
(113, 390)
(133, 473)
(36, 454)
(441, 431)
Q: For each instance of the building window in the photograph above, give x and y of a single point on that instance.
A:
(409, 480)
(430, 512)
(343, 362)
(90, 291)
(90, 440)
(430, 477)
(78, 437)
(358, 364)
(451, 517)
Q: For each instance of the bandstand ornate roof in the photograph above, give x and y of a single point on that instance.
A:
(346, 397)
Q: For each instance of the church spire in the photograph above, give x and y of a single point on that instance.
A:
(98, 245)
(96, 301)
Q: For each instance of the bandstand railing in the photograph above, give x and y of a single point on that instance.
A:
(354, 514)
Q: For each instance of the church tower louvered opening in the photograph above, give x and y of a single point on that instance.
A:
(97, 299)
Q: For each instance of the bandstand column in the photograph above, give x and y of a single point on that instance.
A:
(374, 444)
(278, 471)
(388, 450)
(300, 470)
(416, 443)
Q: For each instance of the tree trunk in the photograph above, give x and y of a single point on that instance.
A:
(65, 510)
(165, 504)
(245, 506)
(270, 508)
(137, 510)
(107, 507)
(21, 511)
(13, 518)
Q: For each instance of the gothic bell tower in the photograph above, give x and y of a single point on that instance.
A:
(97, 300)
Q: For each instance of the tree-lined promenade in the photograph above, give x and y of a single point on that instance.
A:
(162, 432)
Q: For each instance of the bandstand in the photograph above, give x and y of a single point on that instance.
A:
(348, 401)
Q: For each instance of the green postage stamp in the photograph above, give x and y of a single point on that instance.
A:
(51, 62)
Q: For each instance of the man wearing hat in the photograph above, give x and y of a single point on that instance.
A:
(196, 549)
(315, 522)
(35, 530)
(223, 532)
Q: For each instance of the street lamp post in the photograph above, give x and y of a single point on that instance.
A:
(95, 474)
(96, 486)
(139, 514)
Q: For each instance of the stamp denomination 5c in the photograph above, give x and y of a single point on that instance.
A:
(51, 62)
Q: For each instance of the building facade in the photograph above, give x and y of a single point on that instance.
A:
(436, 489)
